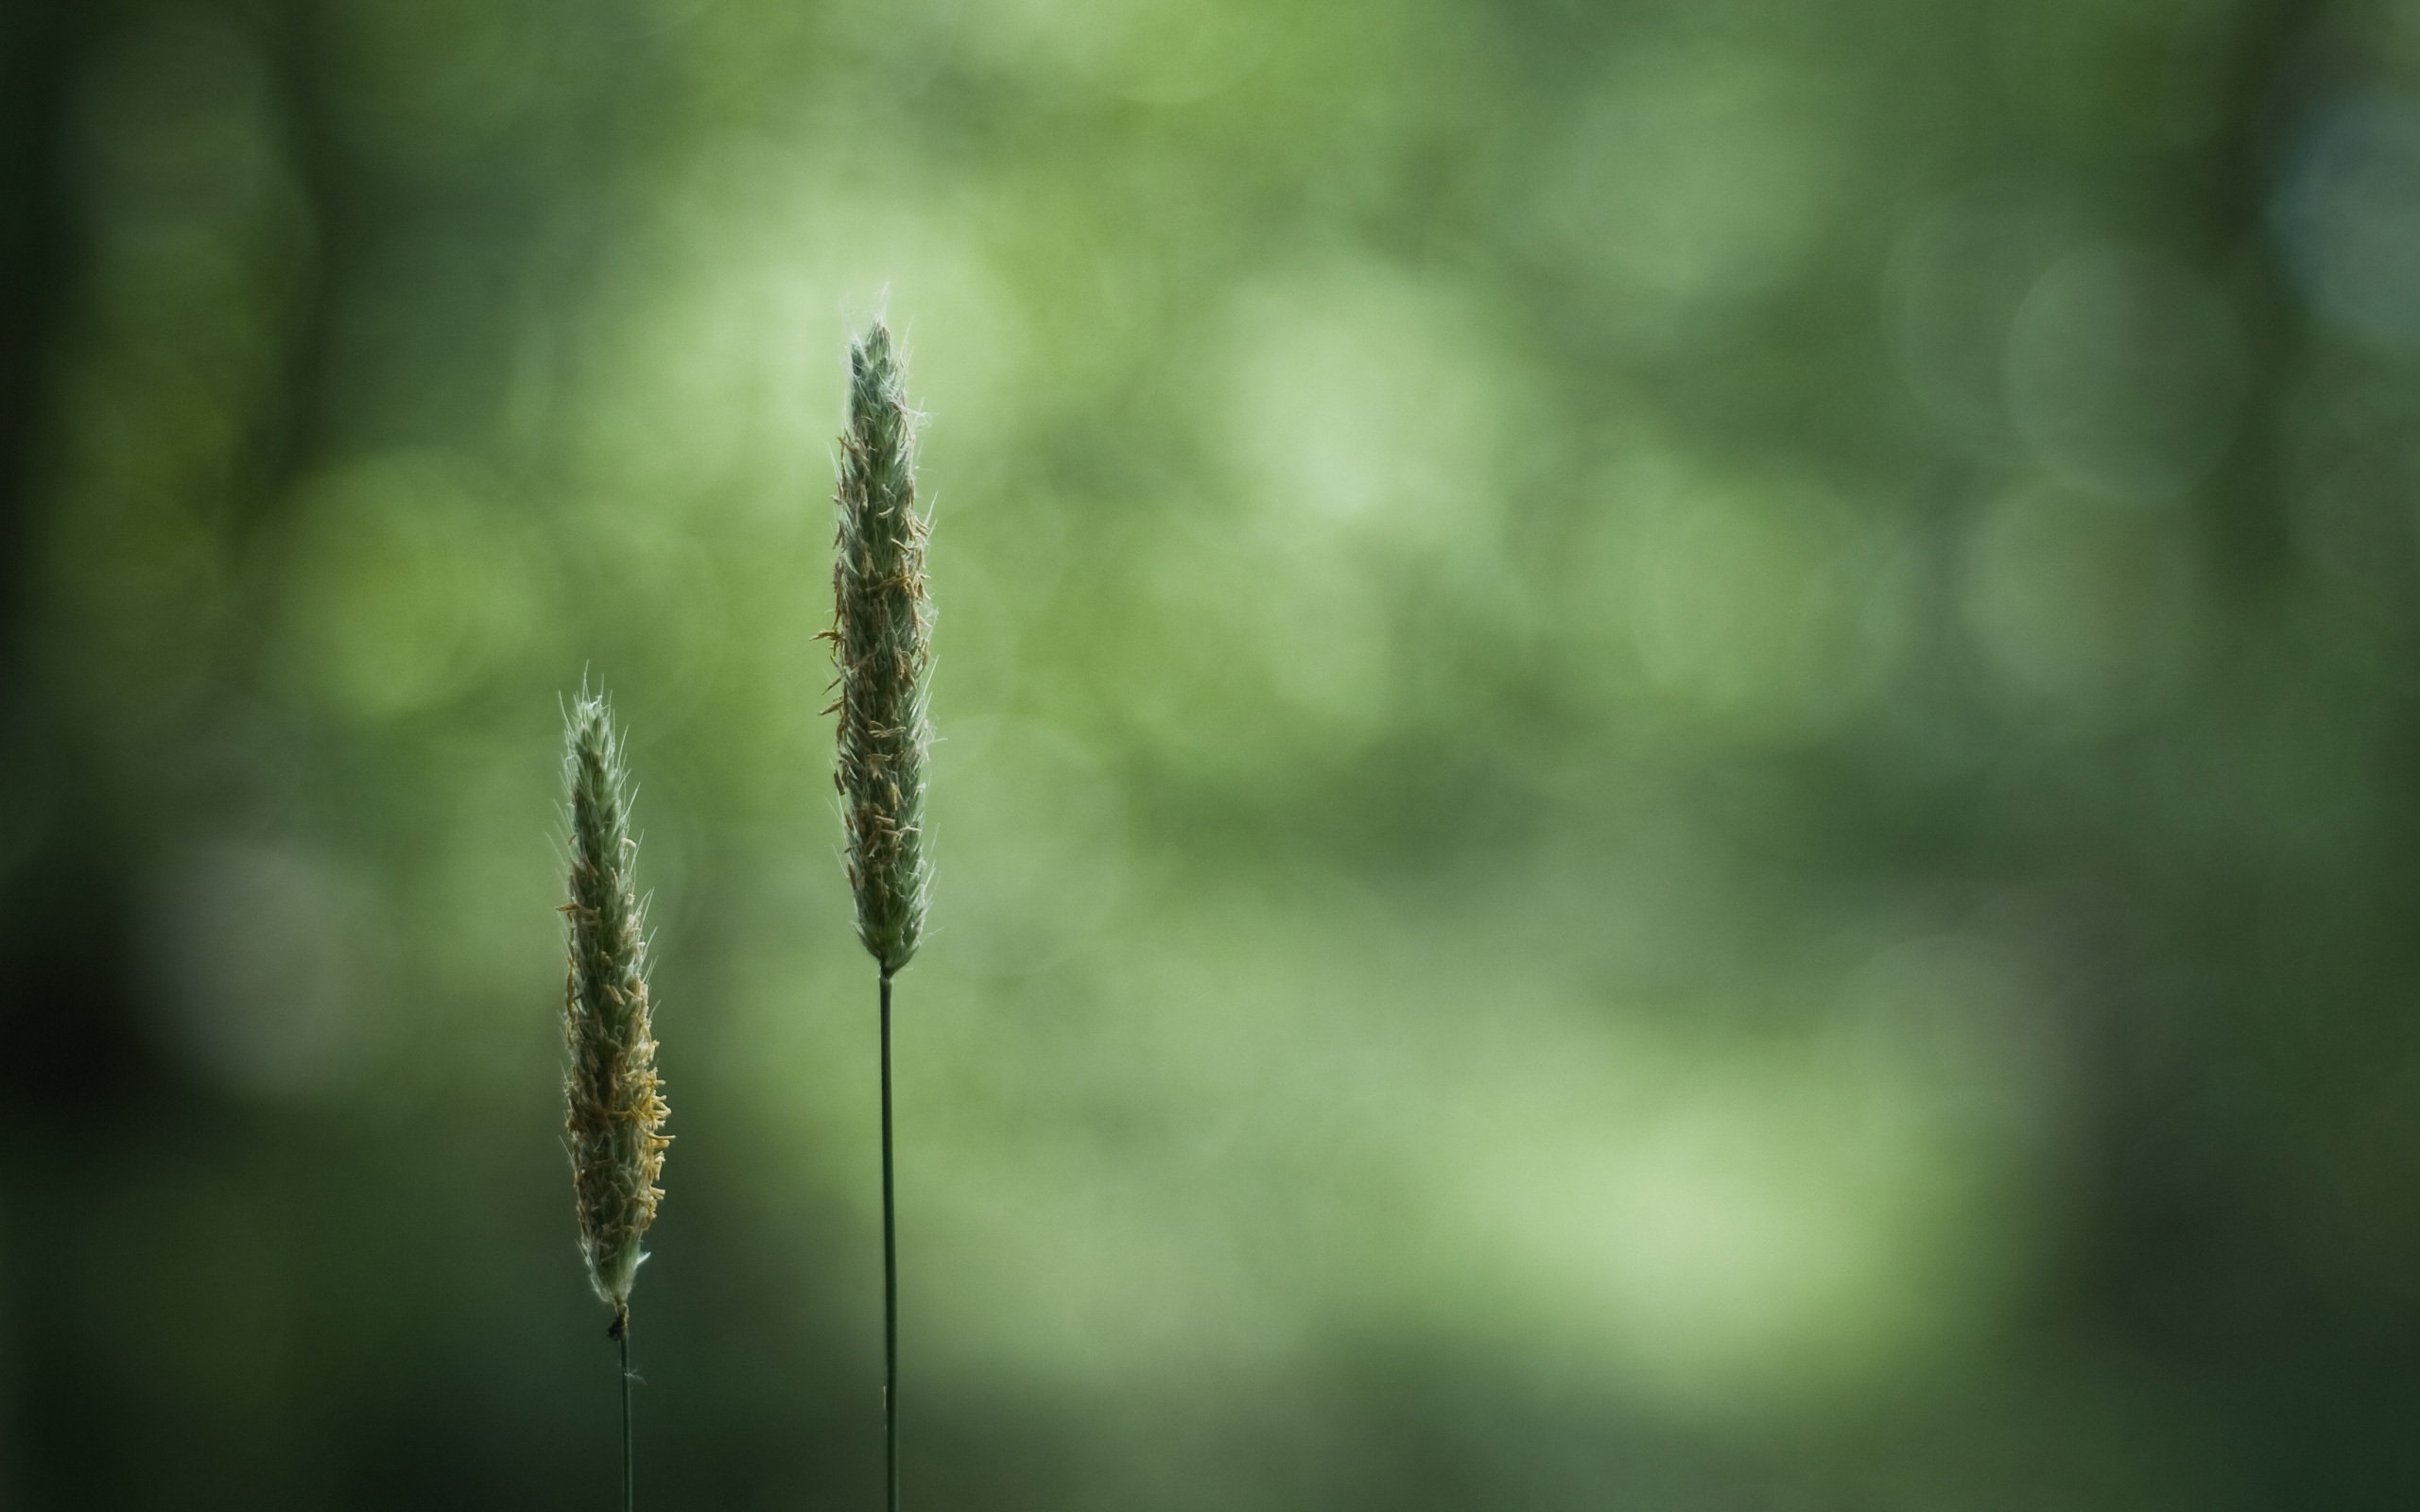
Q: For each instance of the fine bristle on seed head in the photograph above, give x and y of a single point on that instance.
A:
(882, 646)
(616, 1108)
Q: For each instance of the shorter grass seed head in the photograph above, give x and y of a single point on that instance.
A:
(882, 644)
(616, 1104)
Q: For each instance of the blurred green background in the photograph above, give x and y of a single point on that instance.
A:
(1682, 742)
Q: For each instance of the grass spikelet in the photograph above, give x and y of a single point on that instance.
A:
(881, 642)
(616, 1104)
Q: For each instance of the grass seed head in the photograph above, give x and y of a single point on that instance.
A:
(882, 644)
(616, 1104)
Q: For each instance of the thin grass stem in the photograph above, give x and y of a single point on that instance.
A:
(629, 1456)
(890, 1282)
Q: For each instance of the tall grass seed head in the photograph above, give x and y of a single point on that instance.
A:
(616, 1108)
(882, 646)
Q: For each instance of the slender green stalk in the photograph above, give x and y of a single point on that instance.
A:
(629, 1453)
(882, 644)
(890, 1282)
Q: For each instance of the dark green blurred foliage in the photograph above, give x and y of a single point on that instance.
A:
(1678, 749)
